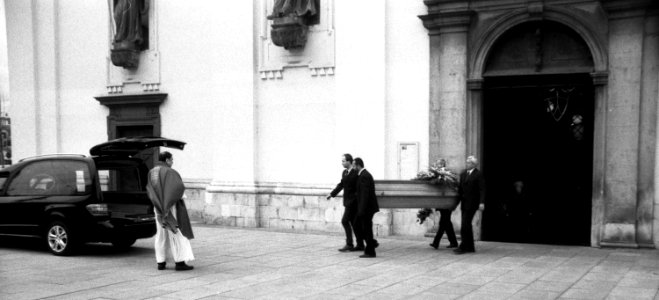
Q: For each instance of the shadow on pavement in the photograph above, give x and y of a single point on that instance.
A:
(37, 245)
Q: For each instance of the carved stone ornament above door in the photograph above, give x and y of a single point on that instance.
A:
(133, 62)
(292, 35)
(291, 20)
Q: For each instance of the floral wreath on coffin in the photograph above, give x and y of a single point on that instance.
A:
(436, 174)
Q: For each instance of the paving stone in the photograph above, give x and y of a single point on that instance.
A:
(509, 288)
(603, 276)
(575, 293)
(433, 296)
(632, 293)
(550, 286)
(490, 295)
(234, 263)
(534, 294)
(643, 283)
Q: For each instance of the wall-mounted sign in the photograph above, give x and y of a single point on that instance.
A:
(408, 159)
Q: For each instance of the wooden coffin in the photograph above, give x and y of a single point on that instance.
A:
(414, 194)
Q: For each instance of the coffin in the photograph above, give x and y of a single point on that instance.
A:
(414, 194)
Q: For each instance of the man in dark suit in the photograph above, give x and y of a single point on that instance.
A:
(367, 206)
(471, 192)
(349, 185)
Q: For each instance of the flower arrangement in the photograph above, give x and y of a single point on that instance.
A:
(438, 174)
(423, 214)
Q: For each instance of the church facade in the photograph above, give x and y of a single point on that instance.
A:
(557, 98)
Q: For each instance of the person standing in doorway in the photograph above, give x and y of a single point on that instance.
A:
(348, 184)
(174, 231)
(471, 192)
(367, 206)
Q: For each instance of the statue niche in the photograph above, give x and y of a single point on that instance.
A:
(291, 20)
(131, 32)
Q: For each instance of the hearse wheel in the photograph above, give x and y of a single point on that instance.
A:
(59, 239)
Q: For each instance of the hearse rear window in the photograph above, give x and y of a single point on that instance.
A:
(120, 179)
(3, 179)
(52, 178)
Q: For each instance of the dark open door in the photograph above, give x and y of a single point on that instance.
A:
(538, 153)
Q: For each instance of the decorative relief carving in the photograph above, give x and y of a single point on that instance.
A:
(271, 75)
(134, 77)
(317, 53)
(115, 89)
(322, 71)
(151, 87)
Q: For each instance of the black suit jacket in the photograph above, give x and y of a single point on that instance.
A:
(349, 186)
(367, 202)
(471, 190)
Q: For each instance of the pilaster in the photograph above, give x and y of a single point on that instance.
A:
(32, 39)
(448, 73)
(600, 80)
(622, 131)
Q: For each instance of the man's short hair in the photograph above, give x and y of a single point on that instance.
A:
(359, 162)
(348, 157)
(163, 156)
(472, 159)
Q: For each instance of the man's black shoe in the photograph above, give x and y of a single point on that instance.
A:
(462, 251)
(358, 248)
(367, 255)
(161, 266)
(451, 246)
(434, 246)
(346, 248)
(181, 266)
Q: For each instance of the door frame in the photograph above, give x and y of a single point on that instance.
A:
(478, 55)
(133, 110)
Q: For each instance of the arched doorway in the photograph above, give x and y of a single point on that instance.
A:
(537, 129)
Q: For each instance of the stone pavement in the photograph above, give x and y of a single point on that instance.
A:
(250, 263)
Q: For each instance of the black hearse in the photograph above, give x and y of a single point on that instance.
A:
(69, 199)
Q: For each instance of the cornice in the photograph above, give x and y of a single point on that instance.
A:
(617, 9)
(442, 20)
(132, 99)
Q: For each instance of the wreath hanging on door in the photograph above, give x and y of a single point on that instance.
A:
(558, 102)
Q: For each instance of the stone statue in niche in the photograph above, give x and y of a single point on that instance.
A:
(291, 20)
(131, 32)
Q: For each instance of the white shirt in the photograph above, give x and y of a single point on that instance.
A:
(360, 171)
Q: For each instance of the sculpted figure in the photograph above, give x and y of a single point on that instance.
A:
(290, 21)
(132, 23)
(300, 8)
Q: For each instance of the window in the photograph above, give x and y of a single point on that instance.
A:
(55, 177)
(3, 179)
(120, 179)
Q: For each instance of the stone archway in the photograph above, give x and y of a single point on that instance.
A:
(481, 51)
(539, 159)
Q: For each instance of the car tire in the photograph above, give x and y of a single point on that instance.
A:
(59, 239)
(123, 243)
